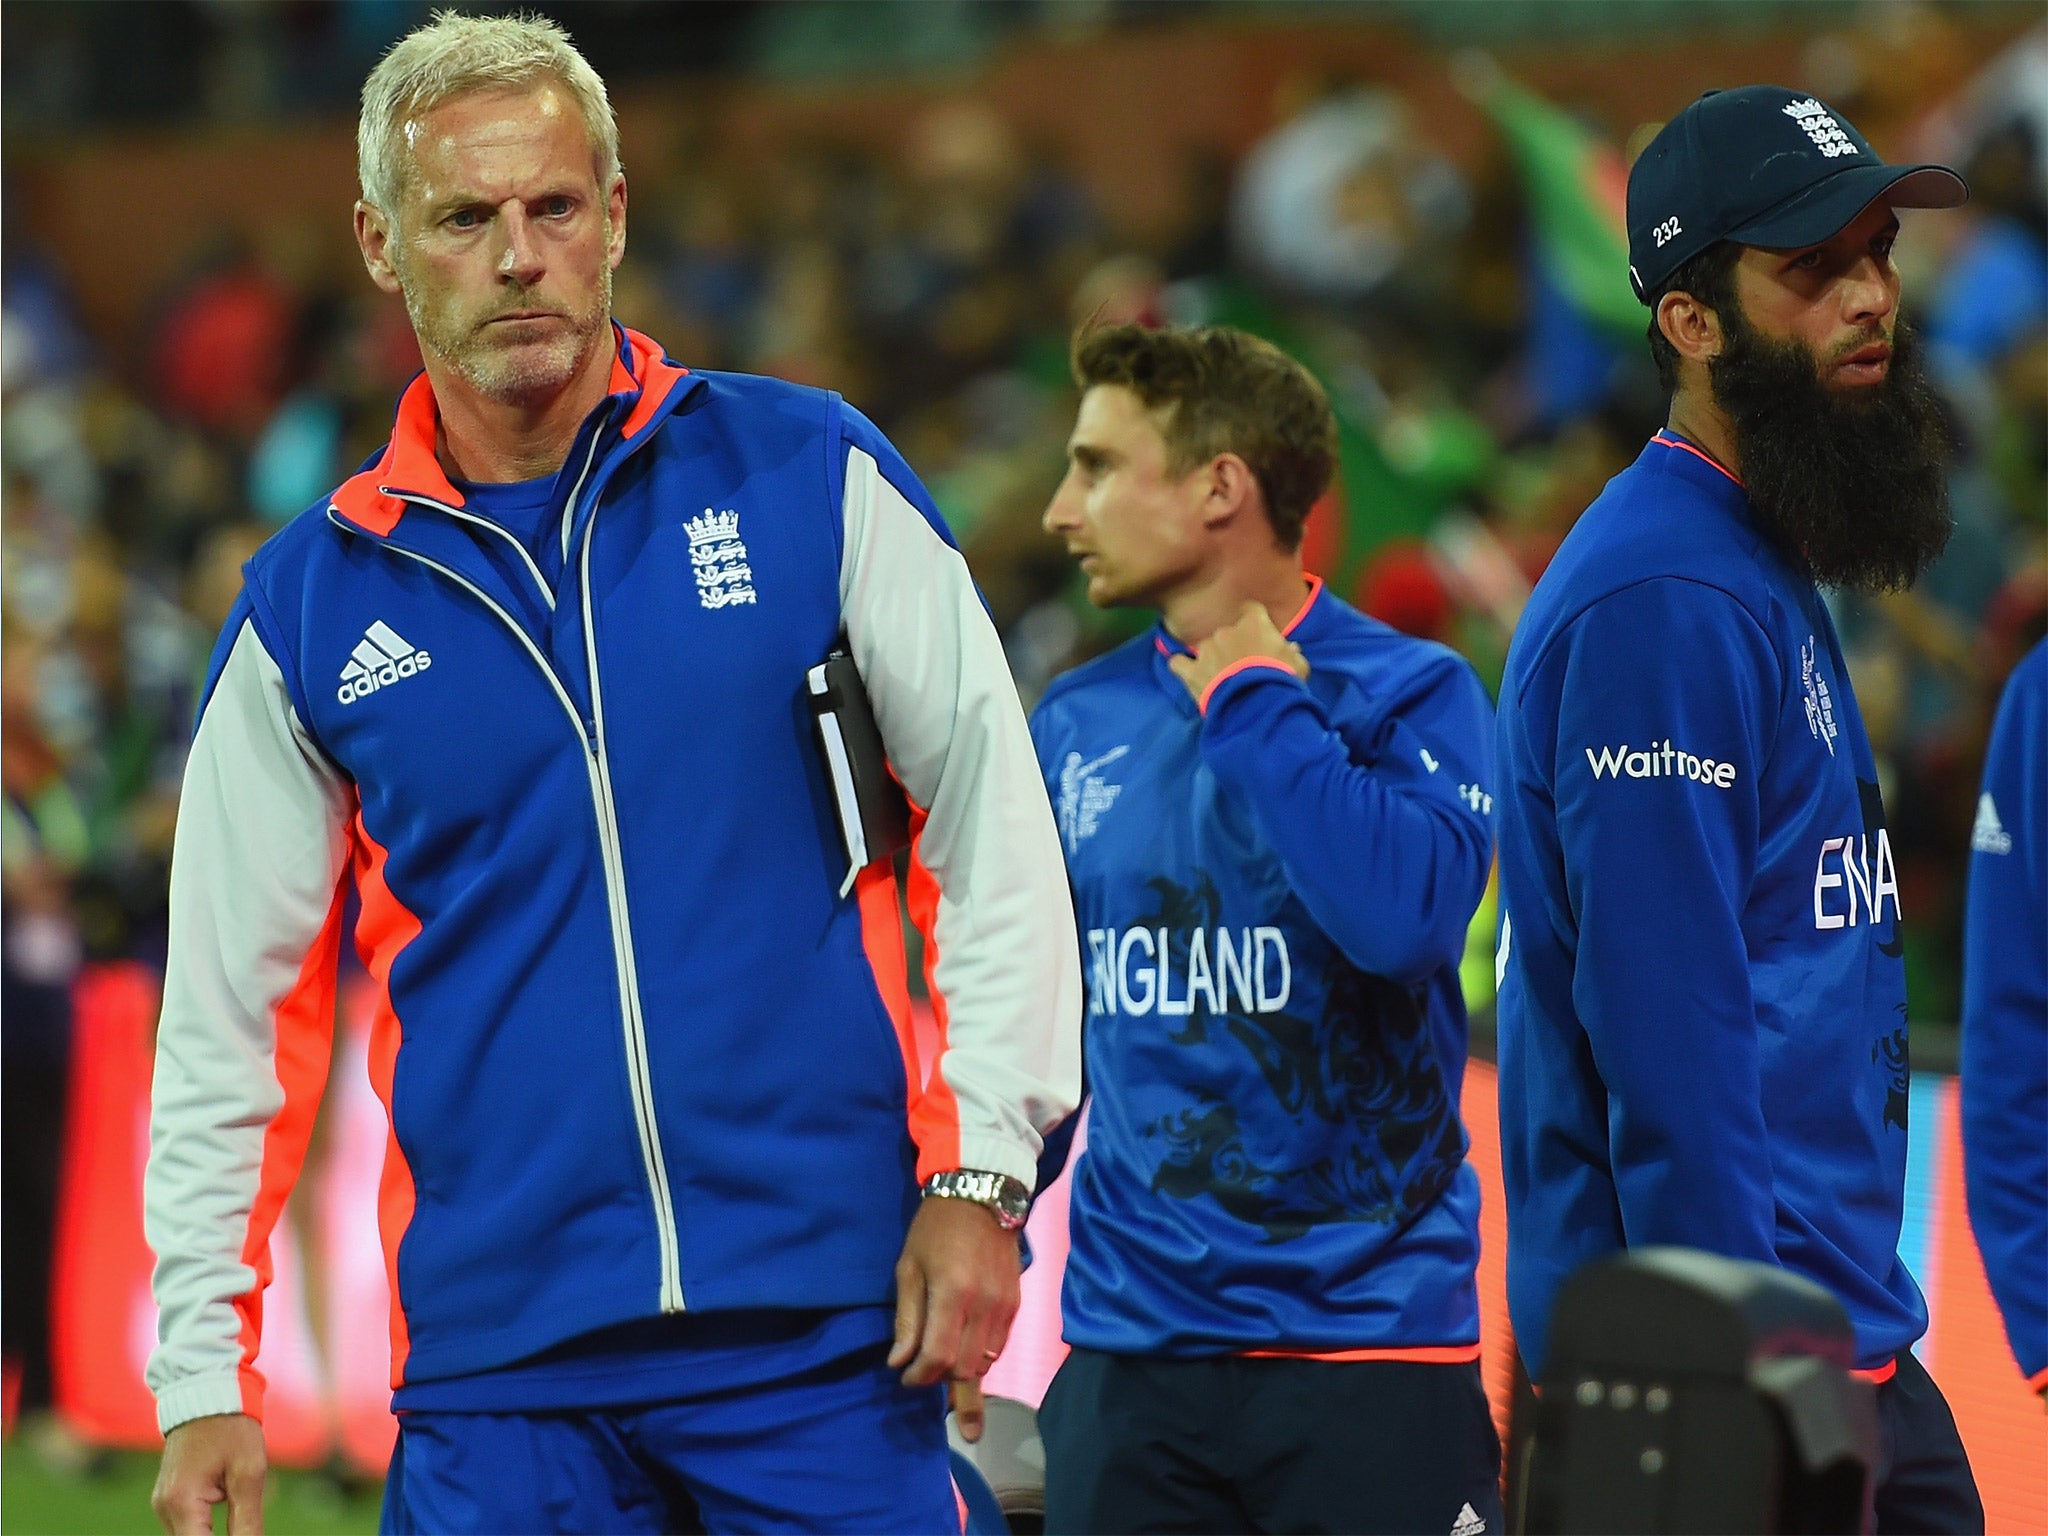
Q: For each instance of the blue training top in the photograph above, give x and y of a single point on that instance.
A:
(1702, 1000)
(1273, 896)
(2005, 1015)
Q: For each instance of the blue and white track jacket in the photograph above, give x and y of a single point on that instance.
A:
(2005, 1015)
(1273, 890)
(639, 1055)
(1702, 1000)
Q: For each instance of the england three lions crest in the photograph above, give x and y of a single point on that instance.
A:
(718, 559)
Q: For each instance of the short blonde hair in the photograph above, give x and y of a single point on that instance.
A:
(454, 54)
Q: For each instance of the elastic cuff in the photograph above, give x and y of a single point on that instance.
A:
(995, 1154)
(198, 1397)
(1246, 664)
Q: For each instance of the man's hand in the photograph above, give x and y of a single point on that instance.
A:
(1251, 633)
(208, 1460)
(956, 1293)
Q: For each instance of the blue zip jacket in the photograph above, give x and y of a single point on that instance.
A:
(1273, 891)
(640, 1055)
(1702, 1002)
(2005, 1016)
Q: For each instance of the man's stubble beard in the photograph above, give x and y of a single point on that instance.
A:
(524, 375)
(1852, 486)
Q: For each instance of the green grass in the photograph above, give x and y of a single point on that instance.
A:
(114, 1500)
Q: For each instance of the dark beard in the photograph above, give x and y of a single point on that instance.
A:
(1851, 486)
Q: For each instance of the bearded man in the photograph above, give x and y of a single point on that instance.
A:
(681, 1234)
(1702, 996)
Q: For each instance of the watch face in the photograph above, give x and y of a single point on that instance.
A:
(1012, 1202)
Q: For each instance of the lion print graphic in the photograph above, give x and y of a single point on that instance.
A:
(1892, 1054)
(1366, 1070)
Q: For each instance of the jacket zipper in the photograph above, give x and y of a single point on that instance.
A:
(539, 582)
(533, 569)
(569, 507)
(638, 1075)
(636, 1024)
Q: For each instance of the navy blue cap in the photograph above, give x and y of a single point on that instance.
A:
(1760, 166)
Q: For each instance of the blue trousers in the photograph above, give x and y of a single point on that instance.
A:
(1243, 1444)
(1924, 1482)
(848, 1448)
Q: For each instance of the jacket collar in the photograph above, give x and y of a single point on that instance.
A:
(1675, 455)
(376, 498)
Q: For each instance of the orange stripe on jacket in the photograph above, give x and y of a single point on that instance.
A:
(881, 935)
(384, 928)
(1452, 1354)
(933, 1113)
(304, 1042)
(935, 1117)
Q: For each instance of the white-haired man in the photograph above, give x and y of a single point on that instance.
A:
(529, 683)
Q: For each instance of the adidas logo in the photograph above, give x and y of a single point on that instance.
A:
(380, 659)
(1468, 1523)
(1988, 835)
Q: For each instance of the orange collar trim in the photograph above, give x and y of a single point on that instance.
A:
(1315, 590)
(1704, 458)
(373, 500)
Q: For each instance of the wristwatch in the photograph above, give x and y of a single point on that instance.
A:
(1003, 1197)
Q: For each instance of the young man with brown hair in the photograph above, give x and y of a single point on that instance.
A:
(1275, 813)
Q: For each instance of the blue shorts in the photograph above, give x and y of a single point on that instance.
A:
(843, 1448)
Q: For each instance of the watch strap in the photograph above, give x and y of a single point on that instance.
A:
(1005, 1198)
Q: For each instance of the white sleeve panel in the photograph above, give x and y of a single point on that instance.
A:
(260, 850)
(1008, 958)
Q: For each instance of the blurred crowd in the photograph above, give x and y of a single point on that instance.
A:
(1483, 405)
